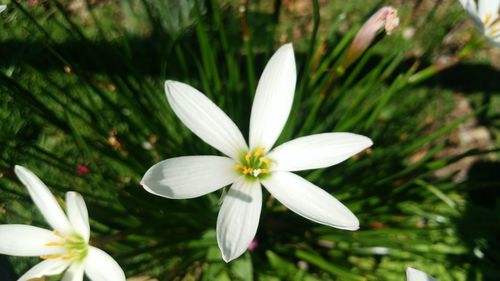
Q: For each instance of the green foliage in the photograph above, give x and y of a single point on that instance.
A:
(84, 86)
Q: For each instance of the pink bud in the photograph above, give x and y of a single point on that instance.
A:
(81, 170)
(253, 245)
(386, 18)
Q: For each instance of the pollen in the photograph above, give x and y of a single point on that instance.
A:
(253, 164)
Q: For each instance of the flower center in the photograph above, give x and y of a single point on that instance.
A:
(254, 164)
(75, 247)
(493, 30)
(487, 18)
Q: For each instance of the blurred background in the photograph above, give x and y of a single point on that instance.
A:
(82, 104)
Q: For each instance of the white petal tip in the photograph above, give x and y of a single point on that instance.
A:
(169, 82)
(226, 255)
(19, 169)
(73, 194)
(413, 274)
(369, 142)
(226, 259)
(22, 172)
(353, 228)
(167, 195)
(146, 187)
(353, 224)
(170, 86)
(364, 141)
(229, 258)
(348, 222)
(288, 49)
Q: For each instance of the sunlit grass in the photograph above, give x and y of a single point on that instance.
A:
(87, 89)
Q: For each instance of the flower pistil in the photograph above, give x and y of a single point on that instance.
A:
(74, 245)
(254, 164)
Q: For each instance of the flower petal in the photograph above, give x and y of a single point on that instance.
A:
(495, 41)
(488, 10)
(239, 218)
(99, 266)
(413, 274)
(189, 176)
(273, 99)
(317, 151)
(205, 119)
(2, 8)
(310, 201)
(44, 200)
(45, 268)
(471, 9)
(27, 241)
(78, 214)
(74, 273)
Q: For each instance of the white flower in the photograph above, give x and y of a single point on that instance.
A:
(2, 8)
(485, 17)
(64, 248)
(246, 168)
(413, 274)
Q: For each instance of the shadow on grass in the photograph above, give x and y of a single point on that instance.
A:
(145, 56)
(6, 272)
(479, 227)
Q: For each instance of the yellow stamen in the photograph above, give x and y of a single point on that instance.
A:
(494, 29)
(71, 254)
(74, 247)
(264, 160)
(54, 256)
(495, 23)
(487, 18)
(50, 244)
(258, 152)
(254, 163)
